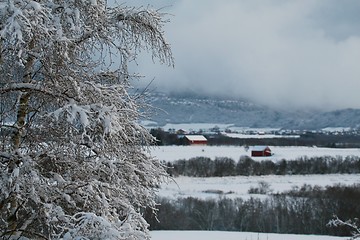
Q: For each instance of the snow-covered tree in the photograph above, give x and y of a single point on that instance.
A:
(73, 163)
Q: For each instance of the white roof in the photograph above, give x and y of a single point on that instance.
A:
(196, 137)
(259, 148)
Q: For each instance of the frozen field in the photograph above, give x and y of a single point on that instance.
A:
(215, 235)
(173, 153)
(238, 186)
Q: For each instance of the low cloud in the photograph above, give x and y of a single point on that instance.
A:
(282, 53)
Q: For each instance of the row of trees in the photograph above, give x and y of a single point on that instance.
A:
(307, 139)
(246, 166)
(307, 210)
(72, 164)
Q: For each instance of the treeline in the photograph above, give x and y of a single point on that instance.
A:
(306, 139)
(246, 166)
(301, 211)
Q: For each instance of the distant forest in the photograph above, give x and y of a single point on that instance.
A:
(306, 139)
(306, 210)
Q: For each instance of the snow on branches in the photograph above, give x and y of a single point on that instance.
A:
(72, 159)
(352, 224)
(28, 24)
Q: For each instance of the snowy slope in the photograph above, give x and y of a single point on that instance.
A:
(192, 108)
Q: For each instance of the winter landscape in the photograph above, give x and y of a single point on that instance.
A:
(185, 120)
(240, 187)
(201, 188)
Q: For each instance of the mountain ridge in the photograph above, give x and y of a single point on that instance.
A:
(192, 108)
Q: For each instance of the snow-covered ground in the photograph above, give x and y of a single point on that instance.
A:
(258, 136)
(172, 153)
(216, 235)
(238, 186)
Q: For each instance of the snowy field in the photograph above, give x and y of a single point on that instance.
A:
(173, 153)
(215, 235)
(258, 136)
(238, 186)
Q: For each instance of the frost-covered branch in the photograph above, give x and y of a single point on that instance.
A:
(21, 87)
(147, 24)
(5, 155)
(352, 224)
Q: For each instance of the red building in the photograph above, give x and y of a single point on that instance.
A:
(196, 139)
(261, 151)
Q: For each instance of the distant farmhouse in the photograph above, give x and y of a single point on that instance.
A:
(181, 132)
(261, 151)
(196, 139)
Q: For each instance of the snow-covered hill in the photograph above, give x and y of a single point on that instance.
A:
(191, 108)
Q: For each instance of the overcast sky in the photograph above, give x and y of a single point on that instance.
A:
(287, 53)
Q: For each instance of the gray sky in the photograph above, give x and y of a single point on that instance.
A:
(284, 53)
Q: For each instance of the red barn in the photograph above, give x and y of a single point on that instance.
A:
(261, 151)
(196, 139)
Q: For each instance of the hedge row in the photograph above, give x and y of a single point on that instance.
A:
(246, 166)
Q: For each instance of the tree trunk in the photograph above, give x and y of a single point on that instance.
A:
(23, 106)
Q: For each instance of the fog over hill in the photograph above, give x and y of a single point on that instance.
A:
(191, 108)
